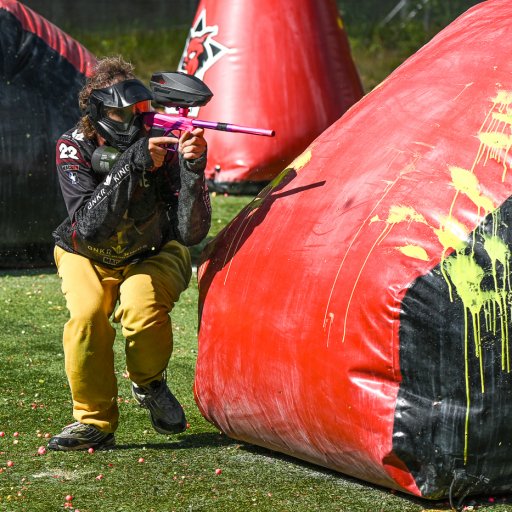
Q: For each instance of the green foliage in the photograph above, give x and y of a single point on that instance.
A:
(379, 45)
(432, 14)
(384, 48)
(224, 208)
(149, 50)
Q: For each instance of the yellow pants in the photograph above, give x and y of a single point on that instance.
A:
(147, 292)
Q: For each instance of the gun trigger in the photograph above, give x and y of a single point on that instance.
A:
(173, 148)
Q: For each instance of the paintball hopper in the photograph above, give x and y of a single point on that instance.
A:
(174, 89)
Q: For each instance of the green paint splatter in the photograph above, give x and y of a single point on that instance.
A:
(460, 270)
(467, 276)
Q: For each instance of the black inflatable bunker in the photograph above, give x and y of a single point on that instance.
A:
(41, 71)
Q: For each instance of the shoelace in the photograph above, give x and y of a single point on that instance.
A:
(154, 395)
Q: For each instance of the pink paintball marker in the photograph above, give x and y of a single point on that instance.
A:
(182, 91)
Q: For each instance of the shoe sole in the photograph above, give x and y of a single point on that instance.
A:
(178, 430)
(103, 446)
(179, 427)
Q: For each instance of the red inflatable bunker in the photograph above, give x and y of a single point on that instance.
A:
(357, 314)
(272, 64)
(41, 71)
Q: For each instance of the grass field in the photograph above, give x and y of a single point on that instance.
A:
(178, 473)
(146, 472)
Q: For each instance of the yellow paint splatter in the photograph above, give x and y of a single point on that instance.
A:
(499, 253)
(369, 219)
(486, 308)
(495, 140)
(414, 251)
(467, 277)
(274, 183)
(296, 165)
(401, 213)
(451, 235)
(490, 305)
(466, 182)
(503, 97)
(498, 146)
(302, 160)
(502, 118)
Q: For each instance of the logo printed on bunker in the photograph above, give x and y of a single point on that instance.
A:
(201, 50)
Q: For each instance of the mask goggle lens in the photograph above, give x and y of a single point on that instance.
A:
(126, 114)
(121, 115)
(142, 106)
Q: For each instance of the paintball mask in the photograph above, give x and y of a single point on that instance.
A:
(114, 111)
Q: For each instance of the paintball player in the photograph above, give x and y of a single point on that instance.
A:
(124, 244)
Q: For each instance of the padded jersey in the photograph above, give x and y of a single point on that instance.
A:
(131, 212)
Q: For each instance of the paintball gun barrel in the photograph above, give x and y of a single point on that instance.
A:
(183, 92)
(167, 123)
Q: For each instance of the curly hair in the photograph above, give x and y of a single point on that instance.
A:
(107, 71)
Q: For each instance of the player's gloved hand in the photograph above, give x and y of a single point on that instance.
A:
(158, 149)
(192, 144)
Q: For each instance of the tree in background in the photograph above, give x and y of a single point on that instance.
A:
(431, 14)
(383, 33)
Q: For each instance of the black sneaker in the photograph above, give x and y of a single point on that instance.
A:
(165, 411)
(79, 436)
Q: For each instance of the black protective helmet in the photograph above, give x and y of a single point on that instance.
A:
(121, 133)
